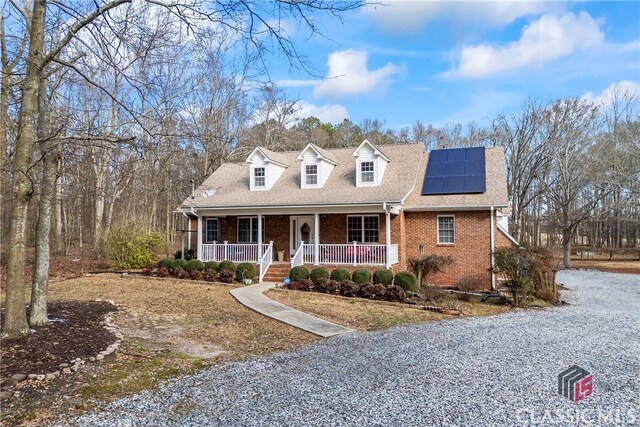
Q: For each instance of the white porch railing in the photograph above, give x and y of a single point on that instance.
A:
(266, 260)
(297, 259)
(349, 254)
(235, 252)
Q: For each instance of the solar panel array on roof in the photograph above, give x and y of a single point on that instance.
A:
(455, 171)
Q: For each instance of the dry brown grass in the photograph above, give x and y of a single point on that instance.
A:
(183, 314)
(363, 314)
(629, 267)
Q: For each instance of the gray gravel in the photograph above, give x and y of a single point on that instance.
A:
(491, 371)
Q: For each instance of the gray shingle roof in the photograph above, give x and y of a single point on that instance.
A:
(228, 186)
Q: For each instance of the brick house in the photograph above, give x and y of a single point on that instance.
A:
(369, 207)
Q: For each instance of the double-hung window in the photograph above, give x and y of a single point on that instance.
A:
(259, 177)
(446, 229)
(367, 174)
(211, 230)
(362, 229)
(248, 230)
(311, 174)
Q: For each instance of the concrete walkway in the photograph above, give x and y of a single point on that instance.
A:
(253, 297)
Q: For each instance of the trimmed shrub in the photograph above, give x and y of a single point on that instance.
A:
(245, 270)
(162, 272)
(319, 274)
(189, 254)
(306, 285)
(180, 273)
(371, 291)
(406, 280)
(196, 275)
(395, 294)
(211, 266)
(520, 287)
(328, 286)
(166, 263)
(180, 264)
(226, 276)
(340, 275)
(294, 286)
(349, 288)
(210, 276)
(299, 273)
(227, 265)
(130, 247)
(383, 277)
(194, 265)
(361, 277)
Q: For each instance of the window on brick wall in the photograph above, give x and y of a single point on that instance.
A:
(362, 228)
(211, 230)
(248, 229)
(446, 229)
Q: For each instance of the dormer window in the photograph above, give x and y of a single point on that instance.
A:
(367, 174)
(258, 177)
(311, 174)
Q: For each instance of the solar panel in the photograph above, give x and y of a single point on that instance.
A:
(455, 171)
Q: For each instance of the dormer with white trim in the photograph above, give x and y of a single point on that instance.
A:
(266, 167)
(315, 167)
(370, 165)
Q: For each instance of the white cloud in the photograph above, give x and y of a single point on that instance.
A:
(331, 113)
(296, 83)
(625, 89)
(406, 17)
(547, 39)
(348, 75)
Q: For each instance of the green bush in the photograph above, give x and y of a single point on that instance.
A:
(211, 266)
(406, 280)
(340, 275)
(361, 277)
(194, 265)
(166, 263)
(129, 247)
(245, 270)
(227, 265)
(189, 254)
(383, 277)
(181, 264)
(319, 274)
(299, 273)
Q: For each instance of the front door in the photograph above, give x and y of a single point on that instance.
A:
(302, 230)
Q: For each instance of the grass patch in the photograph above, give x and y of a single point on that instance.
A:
(628, 267)
(373, 315)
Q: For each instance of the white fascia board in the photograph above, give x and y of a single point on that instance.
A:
(450, 208)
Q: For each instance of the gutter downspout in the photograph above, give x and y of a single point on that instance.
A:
(493, 260)
(188, 230)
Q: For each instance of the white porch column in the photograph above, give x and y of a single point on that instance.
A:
(387, 227)
(259, 237)
(199, 239)
(189, 233)
(316, 240)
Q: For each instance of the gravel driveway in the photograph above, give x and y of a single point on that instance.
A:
(492, 371)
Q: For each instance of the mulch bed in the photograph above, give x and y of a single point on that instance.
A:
(77, 331)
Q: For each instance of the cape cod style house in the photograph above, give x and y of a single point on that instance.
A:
(368, 207)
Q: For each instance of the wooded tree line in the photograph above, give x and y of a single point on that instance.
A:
(110, 109)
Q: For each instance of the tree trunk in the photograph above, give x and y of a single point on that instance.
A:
(40, 283)
(566, 247)
(16, 317)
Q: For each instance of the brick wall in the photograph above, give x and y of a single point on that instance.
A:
(471, 251)
(501, 240)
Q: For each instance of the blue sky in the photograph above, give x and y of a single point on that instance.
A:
(446, 62)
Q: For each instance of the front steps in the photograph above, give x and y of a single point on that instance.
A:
(277, 272)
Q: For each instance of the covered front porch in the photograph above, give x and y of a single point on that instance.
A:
(349, 239)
